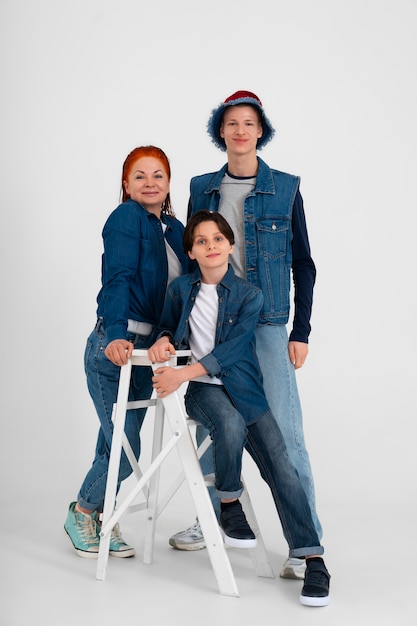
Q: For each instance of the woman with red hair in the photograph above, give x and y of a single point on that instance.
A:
(142, 240)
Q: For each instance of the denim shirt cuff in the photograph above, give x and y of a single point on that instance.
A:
(116, 332)
(211, 364)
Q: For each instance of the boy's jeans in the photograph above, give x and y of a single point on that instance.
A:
(281, 392)
(211, 406)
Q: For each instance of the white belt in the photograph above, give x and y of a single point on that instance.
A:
(139, 328)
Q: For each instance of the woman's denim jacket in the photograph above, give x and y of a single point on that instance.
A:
(233, 358)
(268, 228)
(135, 267)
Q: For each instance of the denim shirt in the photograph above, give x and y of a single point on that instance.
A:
(233, 358)
(276, 242)
(134, 271)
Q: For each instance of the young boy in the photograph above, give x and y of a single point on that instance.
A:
(214, 313)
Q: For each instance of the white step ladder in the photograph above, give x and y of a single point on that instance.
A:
(172, 410)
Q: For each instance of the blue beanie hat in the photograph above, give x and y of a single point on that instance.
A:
(239, 97)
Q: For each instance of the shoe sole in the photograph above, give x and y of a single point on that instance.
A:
(122, 554)
(313, 601)
(83, 553)
(232, 542)
(187, 547)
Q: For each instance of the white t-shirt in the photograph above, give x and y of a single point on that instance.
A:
(203, 319)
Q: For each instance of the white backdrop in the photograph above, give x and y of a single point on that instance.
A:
(84, 82)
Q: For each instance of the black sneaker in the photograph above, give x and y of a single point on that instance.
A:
(236, 531)
(315, 591)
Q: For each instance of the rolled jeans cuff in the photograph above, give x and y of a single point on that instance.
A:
(228, 495)
(300, 553)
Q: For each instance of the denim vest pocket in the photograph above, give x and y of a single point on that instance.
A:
(273, 241)
(272, 236)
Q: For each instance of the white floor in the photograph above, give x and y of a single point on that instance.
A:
(45, 582)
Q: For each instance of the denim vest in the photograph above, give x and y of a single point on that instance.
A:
(267, 229)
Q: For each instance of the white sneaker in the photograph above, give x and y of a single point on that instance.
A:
(293, 568)
(190, 539)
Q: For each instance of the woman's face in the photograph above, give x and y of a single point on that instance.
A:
(148, 184)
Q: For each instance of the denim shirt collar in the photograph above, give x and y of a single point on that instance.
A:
(164, 217)
(226, 281)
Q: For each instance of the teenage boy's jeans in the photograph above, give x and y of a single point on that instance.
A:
(211, 406)
(103, 381)
(282, 394)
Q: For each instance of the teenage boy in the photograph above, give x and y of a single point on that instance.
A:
(265, 210)
(214, 313)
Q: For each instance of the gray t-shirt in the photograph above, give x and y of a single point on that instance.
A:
(233, 192)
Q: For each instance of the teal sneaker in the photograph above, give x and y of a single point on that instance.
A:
(118, 547)
(83, 532)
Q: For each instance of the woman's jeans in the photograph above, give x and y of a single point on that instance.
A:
(281, 392)
(103, 381)
(211, 406)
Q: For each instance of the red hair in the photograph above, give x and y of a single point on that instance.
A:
(138, 153)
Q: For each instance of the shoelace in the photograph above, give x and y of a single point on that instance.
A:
(116, 535)
(194, 530)
(88, 529)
